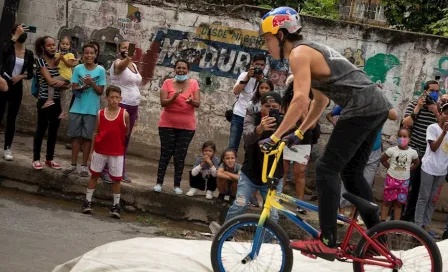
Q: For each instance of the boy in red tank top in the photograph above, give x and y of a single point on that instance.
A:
(112, 126)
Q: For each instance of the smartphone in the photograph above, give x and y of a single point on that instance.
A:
(30, 28)
(276, 114)
(131, 49)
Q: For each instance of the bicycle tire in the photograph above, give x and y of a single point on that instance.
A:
(252, 218)
(405, 226)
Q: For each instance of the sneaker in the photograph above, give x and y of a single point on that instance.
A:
(67, 171)
(192, 192)
(254, 201)
(209, 195)
(115, 211)
(106, 179)
(7, 155)
(37, 165)
(315, 248)
(158, 188)
(53, 165)
(178, 191)
(220, 199)
(87, 206)
(126, 178)
(360, 221)
(301, 211)
(84, 171)
(214, 227)
(433, 234)
(445, 235)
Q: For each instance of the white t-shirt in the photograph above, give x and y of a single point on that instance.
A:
(129, 83)
(435, 163)
(18, 66)
(400, 162)
(245, 96)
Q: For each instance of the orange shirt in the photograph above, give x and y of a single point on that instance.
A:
(179, 114)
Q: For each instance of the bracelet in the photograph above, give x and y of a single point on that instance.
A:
(299, 134)
(275, 138)
(244, 81)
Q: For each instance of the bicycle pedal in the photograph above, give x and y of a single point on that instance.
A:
(309, 255)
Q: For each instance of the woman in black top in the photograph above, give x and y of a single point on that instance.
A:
(17, 65)
(45, 48)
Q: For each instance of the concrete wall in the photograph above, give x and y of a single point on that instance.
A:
(219, 42)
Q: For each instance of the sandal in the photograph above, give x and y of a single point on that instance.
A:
(48, 104)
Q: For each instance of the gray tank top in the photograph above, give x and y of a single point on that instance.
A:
(348, 86)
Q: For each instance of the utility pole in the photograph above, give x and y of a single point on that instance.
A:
(7, 20)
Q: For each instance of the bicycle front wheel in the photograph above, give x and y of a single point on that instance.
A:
(234, 242)
(411, 245)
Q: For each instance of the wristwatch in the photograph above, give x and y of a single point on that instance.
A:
(413, 115)
(244, 81)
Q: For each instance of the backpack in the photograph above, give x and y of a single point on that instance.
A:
(35, 83)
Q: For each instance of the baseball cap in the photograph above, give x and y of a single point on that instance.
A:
(269, 96)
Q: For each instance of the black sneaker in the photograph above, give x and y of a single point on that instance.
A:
(115, 211)
(301, 211)
(220, 199)
(87, 206)
(445, 235)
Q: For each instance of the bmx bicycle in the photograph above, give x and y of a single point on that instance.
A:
(388, 246)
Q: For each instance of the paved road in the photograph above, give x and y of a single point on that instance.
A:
(37, 233)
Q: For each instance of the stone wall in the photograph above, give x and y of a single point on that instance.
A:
(219, 41)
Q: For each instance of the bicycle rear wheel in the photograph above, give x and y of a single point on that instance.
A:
(234, 242)
(416, 250)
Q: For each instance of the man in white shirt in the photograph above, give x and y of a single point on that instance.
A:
(245, 88)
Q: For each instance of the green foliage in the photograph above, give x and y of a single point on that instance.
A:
(321, 8)
(441, 26)
(413, 15)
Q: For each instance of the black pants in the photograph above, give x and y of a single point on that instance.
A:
(198, 182)
(414, 189)
(47, 118)
(173, 142)
(13, 97)
(346, 153)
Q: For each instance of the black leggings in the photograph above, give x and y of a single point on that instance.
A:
(175, 142)
(47, 118)
(13, 97)
(347, 153)
(198, 182)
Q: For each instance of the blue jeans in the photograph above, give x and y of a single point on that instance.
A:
(244, 191)
(236, 131)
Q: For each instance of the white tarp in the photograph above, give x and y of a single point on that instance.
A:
(166, 254)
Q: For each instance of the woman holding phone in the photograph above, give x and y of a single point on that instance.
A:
(124, 74)
(17, 66)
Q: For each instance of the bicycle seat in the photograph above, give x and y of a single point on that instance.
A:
(363, 206)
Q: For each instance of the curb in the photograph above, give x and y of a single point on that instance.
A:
(134, 198)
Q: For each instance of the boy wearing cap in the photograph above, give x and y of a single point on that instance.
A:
(434, 170)
(257, 126)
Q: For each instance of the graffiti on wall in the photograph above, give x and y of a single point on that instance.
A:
(108, 38)
(213, 50)
(355, 56)
(384, 70)
(440, 73)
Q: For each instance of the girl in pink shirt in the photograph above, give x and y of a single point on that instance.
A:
(179, 98)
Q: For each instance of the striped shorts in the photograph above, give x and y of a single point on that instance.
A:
(115, 164)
